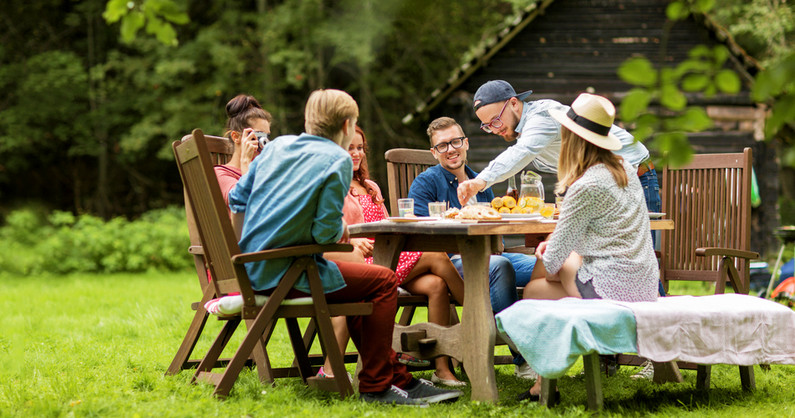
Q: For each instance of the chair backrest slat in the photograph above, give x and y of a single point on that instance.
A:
(709, 201)
(403, 165)
(213, 225)
(221, 150)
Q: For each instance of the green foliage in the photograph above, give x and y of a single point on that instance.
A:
(765, 28)
(63, 243)
(703, 72)
(156, 15)
(776, 85)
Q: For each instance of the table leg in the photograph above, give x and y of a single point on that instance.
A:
(386, 250)
(477, 320)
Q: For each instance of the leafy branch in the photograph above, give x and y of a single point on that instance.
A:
(702, 72)
(158, 16)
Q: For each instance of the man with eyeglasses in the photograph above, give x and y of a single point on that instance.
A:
(537, 135)
(439, 183)
(503, 112)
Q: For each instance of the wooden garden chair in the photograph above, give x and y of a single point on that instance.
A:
(220, 150)
(709, 201)
(227, 267)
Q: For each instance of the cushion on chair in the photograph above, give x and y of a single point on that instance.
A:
(230, 305)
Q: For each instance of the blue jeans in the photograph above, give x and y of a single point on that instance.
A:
(651, 191)
(523, 264)
(502, 287)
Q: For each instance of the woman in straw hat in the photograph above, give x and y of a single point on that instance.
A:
(601, 247)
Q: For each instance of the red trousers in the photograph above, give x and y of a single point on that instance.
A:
(372, 334)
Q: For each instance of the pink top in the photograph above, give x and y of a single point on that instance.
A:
(227, 178)
(360, 209)
(352, 211)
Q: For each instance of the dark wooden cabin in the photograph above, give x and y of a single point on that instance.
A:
(560, 48)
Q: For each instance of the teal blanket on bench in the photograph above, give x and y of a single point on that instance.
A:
(551, 335)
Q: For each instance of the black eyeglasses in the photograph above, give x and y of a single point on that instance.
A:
(495, 123)
(456, 143)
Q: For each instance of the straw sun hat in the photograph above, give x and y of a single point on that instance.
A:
(590, 117)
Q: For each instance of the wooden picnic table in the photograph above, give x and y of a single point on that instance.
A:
(472, 341)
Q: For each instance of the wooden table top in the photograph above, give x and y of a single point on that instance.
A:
(456, 227)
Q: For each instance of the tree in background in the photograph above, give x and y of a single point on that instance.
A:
(90, 110)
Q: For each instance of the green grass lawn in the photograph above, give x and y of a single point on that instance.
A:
(88, 345)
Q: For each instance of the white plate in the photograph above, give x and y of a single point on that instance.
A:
(656, 215)
(521, 215)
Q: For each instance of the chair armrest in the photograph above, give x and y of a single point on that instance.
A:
(294, 251)
(731, 252)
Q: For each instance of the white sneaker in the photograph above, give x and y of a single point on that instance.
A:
(525, 372)
(647, 372)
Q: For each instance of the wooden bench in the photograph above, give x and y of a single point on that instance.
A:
(709, 201)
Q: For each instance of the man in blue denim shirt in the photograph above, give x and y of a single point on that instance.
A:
(438, 184)
(293, 194)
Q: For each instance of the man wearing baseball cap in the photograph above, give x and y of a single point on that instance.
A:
(537, 140)
(537, 134)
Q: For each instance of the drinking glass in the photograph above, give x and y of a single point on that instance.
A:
(436, 209)
(406, 207)
(547, 210)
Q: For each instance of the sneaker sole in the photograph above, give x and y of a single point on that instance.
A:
(442, 397)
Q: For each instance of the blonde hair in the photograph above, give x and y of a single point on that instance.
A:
(577, 155)
(439, 124)
(326, 112)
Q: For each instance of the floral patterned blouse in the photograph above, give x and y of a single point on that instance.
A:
(609, 227)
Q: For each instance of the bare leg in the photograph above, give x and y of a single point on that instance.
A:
(435, 288)
(342, 335)
(539, 271)
(440, 265)
(568, 274)
(554, 287)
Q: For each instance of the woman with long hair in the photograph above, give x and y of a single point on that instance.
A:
(601, 247)
(421, 273)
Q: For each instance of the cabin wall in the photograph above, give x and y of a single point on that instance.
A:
(578, 45)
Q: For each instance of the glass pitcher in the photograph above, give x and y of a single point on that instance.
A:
(531, 197)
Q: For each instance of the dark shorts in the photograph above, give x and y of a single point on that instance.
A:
(586, 289)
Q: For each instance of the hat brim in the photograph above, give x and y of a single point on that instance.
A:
(523, 95)
(608, 142)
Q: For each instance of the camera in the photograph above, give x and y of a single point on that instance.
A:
(262, 139)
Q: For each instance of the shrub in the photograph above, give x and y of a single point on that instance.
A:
(63, 243)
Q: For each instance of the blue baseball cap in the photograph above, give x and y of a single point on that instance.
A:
(496, 91)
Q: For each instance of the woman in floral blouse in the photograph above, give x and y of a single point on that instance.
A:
(601, 247)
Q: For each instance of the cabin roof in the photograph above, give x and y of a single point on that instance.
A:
(480, 54)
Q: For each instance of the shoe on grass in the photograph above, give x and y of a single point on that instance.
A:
(423, 390)
(647, 372)
(524, 371)
(322, 373)
(394, 395)
(453, 383)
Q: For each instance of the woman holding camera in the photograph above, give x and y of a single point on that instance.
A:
(248, 126)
